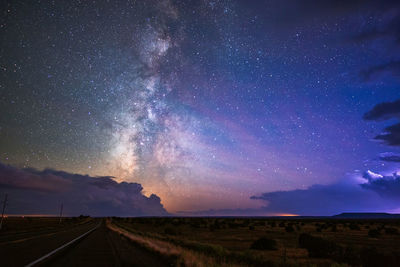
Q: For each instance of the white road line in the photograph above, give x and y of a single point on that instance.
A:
(60, 248)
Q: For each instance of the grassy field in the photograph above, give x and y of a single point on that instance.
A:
(271, 242)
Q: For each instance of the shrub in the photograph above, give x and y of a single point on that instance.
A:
(264, 243)
(259, 223)
(354, 226)
(371, 257)
(233, 225)
(289, 229)
(391, 231)
(374, 233)
(170, 231)
(350, 256)
(318, 247)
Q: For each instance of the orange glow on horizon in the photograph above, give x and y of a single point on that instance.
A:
(286, 214)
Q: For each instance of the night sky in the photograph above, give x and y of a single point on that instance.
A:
(209, 107)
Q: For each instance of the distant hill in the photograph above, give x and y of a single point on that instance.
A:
(366, 215)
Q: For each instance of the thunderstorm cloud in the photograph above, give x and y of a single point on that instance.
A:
(31, 191)
(385, 111)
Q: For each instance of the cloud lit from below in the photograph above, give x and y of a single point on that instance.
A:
(375, 193)
(42, 192)
(368, 192)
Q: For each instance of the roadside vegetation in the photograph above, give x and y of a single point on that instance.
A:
(265, 242)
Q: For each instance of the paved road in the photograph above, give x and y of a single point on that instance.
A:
(23, 249)
(8, 237)
(105, 248)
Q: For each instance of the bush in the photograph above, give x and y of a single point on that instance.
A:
(318, 247)
(264, 243)
(391, 231)
(374, 233)
(350, 256)
(289, 229)
(233, 225)
(371, 257)
(170, 231)
(354, 226)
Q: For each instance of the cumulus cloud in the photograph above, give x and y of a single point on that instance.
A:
(388, 28)
(32, 191)
(384, 111)
(390, 157)
(386, 186)
(391, 135)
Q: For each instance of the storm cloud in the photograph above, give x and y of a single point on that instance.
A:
(391, 135)
(385, 111)
(31, 191)
(389, 157)
(367, 192)
(387, 186)
(330, 199)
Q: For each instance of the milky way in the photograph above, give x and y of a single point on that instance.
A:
(208, 104)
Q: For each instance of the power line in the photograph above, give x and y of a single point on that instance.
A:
(2, 213)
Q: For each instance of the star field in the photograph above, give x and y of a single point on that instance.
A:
(204, 103)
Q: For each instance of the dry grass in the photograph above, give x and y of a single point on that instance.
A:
(182, 256)
(229, 240)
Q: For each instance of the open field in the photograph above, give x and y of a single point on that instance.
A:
(321, 242)
(201, 242)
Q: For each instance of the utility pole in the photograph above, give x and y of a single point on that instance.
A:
(2, 213)
(61, 211)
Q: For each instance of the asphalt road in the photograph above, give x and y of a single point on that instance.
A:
(19, 250)
(7, 237)
(102, 247)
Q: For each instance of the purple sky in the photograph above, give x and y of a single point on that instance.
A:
(213, 107)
